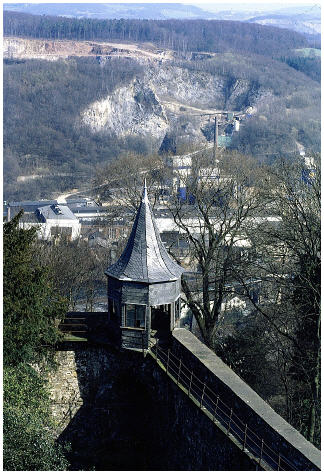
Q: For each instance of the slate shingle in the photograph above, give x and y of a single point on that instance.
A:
(145, 258)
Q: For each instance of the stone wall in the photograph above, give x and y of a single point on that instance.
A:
(98, 406)
(190, 439)
(120, 411)
(64, 390)
(246, 403)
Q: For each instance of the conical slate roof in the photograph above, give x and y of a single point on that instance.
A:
(145, 258)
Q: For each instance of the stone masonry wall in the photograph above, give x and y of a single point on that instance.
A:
(120, 411)
(64, 390)
(246, 403)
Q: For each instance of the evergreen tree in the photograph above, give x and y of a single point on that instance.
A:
(32, 310)
(29, 443)
(31, 314)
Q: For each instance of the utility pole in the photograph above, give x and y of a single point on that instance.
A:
(218, 115)
(215, 134)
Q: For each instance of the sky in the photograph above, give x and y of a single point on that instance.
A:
(190, 2)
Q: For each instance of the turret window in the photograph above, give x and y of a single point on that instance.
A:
(135, 315)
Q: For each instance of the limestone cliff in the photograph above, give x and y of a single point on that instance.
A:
(130, 110)
(165, 99)
(22, 48)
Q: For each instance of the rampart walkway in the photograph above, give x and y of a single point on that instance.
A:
(238, 411)
(220, 413)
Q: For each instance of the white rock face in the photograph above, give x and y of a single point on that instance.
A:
(167, 98)
(130, 110)
(31, 49)
(152, 105)
(193, 88)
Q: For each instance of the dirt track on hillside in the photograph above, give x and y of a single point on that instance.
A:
(24, 48)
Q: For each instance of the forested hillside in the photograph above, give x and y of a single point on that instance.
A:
(180, 35)
(155, 11)
(306, 60)
(42, 101)
(65, 117)
(289, 114)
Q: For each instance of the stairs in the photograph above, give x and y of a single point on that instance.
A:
(74, 328)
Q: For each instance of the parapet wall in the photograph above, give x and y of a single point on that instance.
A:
(121, 411)
(246, 403)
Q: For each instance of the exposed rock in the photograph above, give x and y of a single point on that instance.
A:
(168, 145)
(52, 50)
(129, 110)
(166, 100)
(159, 102)
(191, 88)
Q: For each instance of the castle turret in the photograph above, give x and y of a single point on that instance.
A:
(144, 284)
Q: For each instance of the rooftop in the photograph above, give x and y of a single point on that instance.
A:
(145, 258)
(32, 206)
(57, 212)
(30, 217)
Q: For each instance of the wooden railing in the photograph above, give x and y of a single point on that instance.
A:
(74, 326)
(220, 413)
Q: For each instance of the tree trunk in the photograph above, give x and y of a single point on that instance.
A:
(315, 390)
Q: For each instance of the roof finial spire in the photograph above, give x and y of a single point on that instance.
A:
(144, 195)
(145, 258)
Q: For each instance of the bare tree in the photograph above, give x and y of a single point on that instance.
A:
(76, 269)
(255, 231)
(123, 178)
(221, 199)
(287, 269)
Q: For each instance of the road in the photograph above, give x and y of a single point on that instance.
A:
(74, 192)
